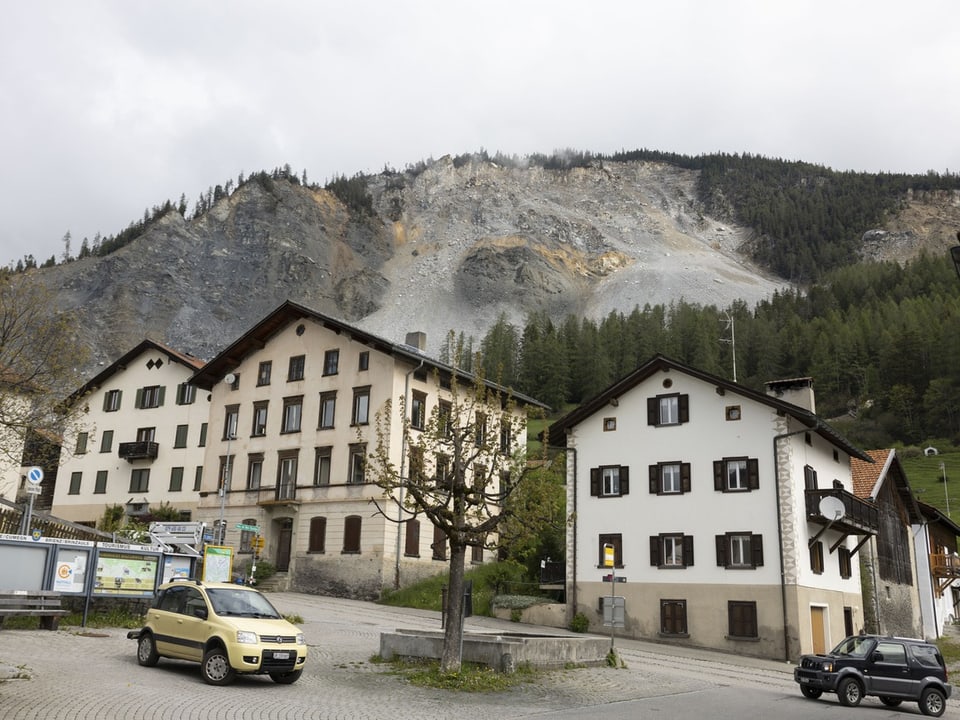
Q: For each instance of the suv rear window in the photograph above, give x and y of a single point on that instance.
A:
(926, 655)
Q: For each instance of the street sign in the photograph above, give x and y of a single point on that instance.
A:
(248, 528)
(35, 476)
(33, 489)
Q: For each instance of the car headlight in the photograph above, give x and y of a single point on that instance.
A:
(828, 667)
(300, 640)
(246, 637)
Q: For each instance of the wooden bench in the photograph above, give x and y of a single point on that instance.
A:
(44, 604)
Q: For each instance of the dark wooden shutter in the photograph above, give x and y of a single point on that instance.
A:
(721, 550)
(318, 534)
(685, 477)
(753, 473)
(653, 411)
(138, 403)
(412, 544)
(756, 547)
(161, 394)
(688, 550)
(351, 534)
(595, 481)
(654, 479)
(624, 479)
(683, 407)
(655, 551)
(718, 466)
(809, 478)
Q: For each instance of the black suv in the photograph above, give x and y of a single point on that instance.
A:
(891, 668)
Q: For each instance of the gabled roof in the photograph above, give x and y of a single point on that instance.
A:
(188, 361)
(290, 312)
(869, 477)
(661, 363)
(935, 515)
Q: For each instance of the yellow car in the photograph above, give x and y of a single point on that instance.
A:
(228, 629)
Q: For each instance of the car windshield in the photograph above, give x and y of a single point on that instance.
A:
(242, 603)
(854, 646)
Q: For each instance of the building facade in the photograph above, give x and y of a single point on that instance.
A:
(292, 422)
(938, 569)
(141, 443)
(739, 528)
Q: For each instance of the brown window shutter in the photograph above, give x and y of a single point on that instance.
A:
(718, 475)
(655, 552)
(653, 411)
(683, 408)
(685, 477)
(756, 547)
(624, 479)
(654, 479)
(688, 550)
(595, 481)
(721, 550)
(753, 473)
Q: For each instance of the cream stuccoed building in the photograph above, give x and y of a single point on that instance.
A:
(728, 514)
(141, 439)
(292, 408)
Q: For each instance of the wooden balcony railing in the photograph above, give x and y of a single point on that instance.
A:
(859, 515)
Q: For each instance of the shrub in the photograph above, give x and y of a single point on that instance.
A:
(580, 623)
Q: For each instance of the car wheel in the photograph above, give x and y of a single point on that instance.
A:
(849, 692)
(287, 678)
(890, 701)
(147, 650)
(809, 692)
(932, 702)
(216, 667)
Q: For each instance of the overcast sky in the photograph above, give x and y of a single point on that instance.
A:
(111, 107)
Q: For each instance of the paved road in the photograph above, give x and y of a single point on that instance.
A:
(73, 674)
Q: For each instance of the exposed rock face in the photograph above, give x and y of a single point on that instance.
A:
(450, 248)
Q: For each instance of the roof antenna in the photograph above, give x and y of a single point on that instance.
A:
(728, 318)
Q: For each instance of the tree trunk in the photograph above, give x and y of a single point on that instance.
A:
(451, 658)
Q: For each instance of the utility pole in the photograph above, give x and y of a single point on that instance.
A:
(732, 340)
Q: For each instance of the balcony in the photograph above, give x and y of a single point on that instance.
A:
(945, 568)
(860, 517)
(140, 450)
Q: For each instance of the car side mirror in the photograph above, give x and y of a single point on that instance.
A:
(877, 657)
(200, 612)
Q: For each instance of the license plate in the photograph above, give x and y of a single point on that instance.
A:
(281, 656)
(803, 679)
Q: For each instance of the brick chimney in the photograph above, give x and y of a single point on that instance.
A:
(798, 391)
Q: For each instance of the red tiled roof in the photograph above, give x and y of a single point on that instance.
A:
(865, 475)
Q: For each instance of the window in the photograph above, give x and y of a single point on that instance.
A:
(358, 453)
(331, 359)
(321, 470)
(671, 550)
(843, 558)
(81, 443)
(176, 479)
(254, 471)
(226, 472)
(673, 617)
(292, 409)
(351, 534)
(328, 409)
(610, 481)
(111, 400)
(506, 435)
(742, 619)
(670, 478)
(739, 550)
(816, 558)
(439, 544)
(263, 373)
(230, 421)
(476, 554)
(140, 480)
(480, 429)
(616, 540)
(198, 478)
(364, 363)
(186, 394)
(418, 410)
(147, 434)
(411, 540)
(668, 409)
(180, 437)
(100, 484)
(417, 472)
(259, 428)
(442, 468)
(444, 418)
(287, 476)
(246, 536)
(106, 441)
(202, 442)
(361, 406)
(150, 397)
(75, 483)
(318, 535)
(736, 474)
(732, 412)
(295, 369)
(609, 424)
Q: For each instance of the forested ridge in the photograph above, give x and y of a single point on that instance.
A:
(881, 341)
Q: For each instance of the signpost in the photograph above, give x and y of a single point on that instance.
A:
(34, 478)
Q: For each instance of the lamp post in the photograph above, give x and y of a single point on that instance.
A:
(229, 379)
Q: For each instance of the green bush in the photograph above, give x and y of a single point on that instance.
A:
(580, 623)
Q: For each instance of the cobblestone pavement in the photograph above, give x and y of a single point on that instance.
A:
(79, 674)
